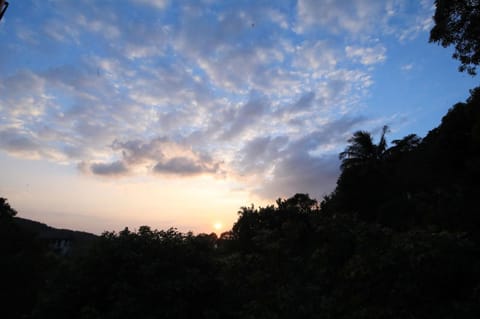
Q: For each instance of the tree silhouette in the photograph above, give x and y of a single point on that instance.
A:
(362, 150)
(457, 22)
(404, 145)
(6, 212)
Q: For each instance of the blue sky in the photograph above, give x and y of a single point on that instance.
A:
(116, 113)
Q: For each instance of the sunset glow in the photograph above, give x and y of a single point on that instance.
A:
(178, 113)
(217, 226)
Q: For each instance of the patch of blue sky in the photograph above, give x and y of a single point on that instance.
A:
(416, 86)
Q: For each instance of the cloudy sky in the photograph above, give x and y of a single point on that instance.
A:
(177, 113)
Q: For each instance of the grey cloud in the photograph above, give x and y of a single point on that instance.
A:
(14, 140)
(333, 132)
(239, 120)
(297, 169)
(23, 95)
(46, 144)
(302, 173)
(305, 101)
(260, 153)
(117, 168)
(159, 4)
(183, 166)
(75, 151)
(93, 130)
(160, 154)
(328, 94)
(74, 77)
(15, 85)
(353, 16)
(138, 151)
(204, 31)
(170, 85)
(26, 144)
(235, 49)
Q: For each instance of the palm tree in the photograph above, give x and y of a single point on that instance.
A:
(362, 150)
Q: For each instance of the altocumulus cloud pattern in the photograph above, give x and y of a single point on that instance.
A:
(259, 93)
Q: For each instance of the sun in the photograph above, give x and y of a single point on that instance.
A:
(217, 226)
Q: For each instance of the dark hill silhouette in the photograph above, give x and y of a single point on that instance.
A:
(43, 230)
(61, 241)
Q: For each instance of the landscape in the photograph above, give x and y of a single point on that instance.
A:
(398, 237)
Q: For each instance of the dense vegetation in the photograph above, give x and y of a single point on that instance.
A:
(397, 238)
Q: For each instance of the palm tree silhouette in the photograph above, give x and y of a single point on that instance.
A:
(3, 7)
(362, 150)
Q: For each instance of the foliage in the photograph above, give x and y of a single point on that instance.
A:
(457, 22)
(6, 212)
(24, 265)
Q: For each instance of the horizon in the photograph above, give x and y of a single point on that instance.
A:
(176, 115)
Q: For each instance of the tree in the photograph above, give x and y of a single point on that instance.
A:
(457, 22)
(362, 150)
(299, 202)
(406, 144)
(6, 211)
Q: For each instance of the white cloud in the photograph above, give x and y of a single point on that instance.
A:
(316, 57)
(367, 56)
(407, 67)
(422, 24)
(159, 4)
(337, 16)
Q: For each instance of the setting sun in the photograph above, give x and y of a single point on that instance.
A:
(217, 226)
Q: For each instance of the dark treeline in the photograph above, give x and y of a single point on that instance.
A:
(397, 238)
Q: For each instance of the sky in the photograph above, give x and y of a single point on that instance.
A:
(177, 113)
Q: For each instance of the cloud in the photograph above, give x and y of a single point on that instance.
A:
(407, 67)
(17, 141)
(316, 55)
(309, 164)
(420, 24)
(301, 173)
(250, 92)
(366, 56)
(184, 166)
(109, 169)
(159, 155)
(352, 16)
(138, 151)
(258, 155)
(17, 101)
(305, 101)
(243, 116)
(159, 4)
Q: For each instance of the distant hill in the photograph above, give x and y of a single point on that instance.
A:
(61, 240)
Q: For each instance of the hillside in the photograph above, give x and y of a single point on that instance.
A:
(45, 231)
